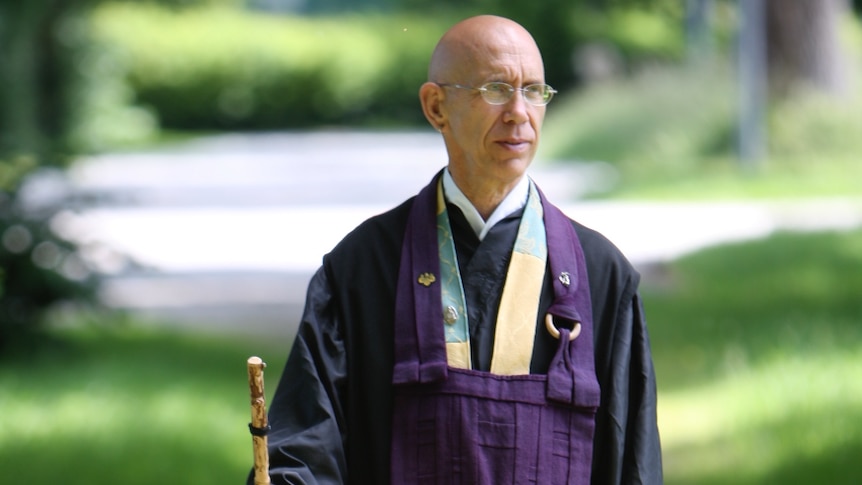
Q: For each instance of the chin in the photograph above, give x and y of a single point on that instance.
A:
(517, 165)
(512, 170)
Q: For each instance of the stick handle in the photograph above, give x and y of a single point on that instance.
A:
(259, 425)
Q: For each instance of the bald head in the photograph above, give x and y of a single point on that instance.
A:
(471, 42)
(490, 144)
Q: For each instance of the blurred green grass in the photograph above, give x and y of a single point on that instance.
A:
(757, 350)
(131, 406)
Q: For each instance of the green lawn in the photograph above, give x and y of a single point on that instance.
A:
(758, 349)
(130, 407)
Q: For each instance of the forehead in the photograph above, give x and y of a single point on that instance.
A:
(495, 52)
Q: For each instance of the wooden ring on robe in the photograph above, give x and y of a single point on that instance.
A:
(549, 323)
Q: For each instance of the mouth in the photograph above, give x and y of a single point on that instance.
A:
(515, 144)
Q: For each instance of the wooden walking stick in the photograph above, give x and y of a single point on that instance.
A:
(258, 426)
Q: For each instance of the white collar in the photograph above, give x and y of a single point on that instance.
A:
(515, 200)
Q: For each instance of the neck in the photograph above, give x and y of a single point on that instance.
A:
(485, 196)
(486, 202)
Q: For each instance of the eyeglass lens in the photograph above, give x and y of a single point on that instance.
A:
(500, 93)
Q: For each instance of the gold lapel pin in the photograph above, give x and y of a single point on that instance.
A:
(426, 279)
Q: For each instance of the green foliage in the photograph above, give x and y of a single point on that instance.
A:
(814, 127)
(643, 34)
(209, 66)
(218, 68)
(60, 93)
(654, 125)
(757, 351)
(670, 131)
(13, 172)
(105, 114)
(180, 4)
(38, 42)
(36, 77)
(38, 269)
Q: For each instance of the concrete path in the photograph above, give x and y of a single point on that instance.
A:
(224, 232)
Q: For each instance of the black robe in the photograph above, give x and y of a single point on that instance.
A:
(331, 413)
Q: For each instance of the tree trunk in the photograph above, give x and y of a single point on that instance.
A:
(19, 96)
(804, 50)
(35, 77)
(751, 63)
(698, 29)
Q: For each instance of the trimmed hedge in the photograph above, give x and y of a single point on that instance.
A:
(219, 68)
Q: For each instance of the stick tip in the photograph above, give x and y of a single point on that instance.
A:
(255, 360)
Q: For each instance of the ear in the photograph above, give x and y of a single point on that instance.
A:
(432, 96)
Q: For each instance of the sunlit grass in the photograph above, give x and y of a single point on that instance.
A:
(758, 350)
(756, 425)
(130, 407)
(725, 178)
(729, 308)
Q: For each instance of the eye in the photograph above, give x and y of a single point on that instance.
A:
(539, 94)
(497, 88)
(537, 91)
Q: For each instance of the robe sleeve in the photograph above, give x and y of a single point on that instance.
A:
(628, 446)
(307, 439)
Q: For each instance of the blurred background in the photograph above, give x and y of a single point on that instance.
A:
(172, 172)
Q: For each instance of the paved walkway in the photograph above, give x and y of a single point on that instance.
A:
(229, 229)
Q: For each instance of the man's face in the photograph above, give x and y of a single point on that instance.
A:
(495, 143)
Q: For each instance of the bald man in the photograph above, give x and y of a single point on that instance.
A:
(474, 334)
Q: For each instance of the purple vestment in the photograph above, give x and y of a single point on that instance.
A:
(457, 426)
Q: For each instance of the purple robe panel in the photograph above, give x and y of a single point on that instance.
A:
(456, 426)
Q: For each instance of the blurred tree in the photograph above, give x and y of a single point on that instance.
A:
(36, 76)
(752, 77)
(698, 29)
(37, 270)
(198, 3)
(803, 45)
(561, 26)
(787, 47)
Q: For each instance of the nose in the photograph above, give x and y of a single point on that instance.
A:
(517, 108)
